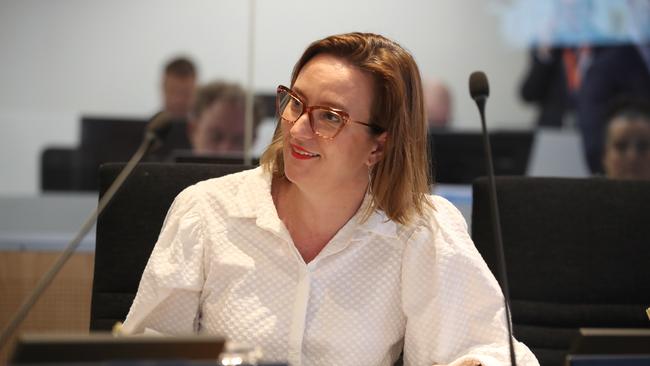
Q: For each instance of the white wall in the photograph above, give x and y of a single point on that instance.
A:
(61, 59)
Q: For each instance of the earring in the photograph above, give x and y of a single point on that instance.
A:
(369, 191)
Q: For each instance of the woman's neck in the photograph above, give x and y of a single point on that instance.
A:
(313, 218)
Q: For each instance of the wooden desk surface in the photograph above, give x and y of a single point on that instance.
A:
(64, 307)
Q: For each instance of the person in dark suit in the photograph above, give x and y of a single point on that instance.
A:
(553, 80)
(545, 85)
(615, 72)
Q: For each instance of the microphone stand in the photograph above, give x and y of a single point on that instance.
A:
(479, 90)
(150, 138)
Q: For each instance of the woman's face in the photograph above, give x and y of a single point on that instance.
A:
(627, 149)
(332, 166)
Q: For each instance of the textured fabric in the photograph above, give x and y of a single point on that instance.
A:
(225, 264)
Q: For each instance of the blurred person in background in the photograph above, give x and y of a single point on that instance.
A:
(178, 84)
(217, 120)
(616, 72)
(438, 104)
(553, 80)
(627, 141)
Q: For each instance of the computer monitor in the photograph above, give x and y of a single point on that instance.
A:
(111, 138)
(103, 347)
(611, 347)
(459, 157)
(107, 139)
(115, 139)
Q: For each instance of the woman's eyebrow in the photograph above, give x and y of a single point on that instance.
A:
(326, 103)
(297, 90)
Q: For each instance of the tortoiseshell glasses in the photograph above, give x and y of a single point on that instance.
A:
(325, 122)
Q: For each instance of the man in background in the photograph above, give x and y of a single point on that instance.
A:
(178, 84)
(553, 80)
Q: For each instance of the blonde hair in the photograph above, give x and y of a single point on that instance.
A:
(400, 180)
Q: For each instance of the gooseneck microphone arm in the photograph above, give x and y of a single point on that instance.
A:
(156, 129)
(479, 89)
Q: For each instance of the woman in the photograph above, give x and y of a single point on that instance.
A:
(332, 252)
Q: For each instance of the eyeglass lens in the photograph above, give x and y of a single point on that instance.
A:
(325, 122)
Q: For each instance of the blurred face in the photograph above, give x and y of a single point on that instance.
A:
(219, 128)
(438, 104)
(178, 93)
(331, 165)
(627, 150)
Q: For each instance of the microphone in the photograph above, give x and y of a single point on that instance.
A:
(479, 90)
(156, 130)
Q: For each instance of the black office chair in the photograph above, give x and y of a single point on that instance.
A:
(577, 254)
(129, 227)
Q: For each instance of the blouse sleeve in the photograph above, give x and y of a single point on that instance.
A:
(453, 304)
(167, 301)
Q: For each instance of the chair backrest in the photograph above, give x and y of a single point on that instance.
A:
(577, 254)
(129, 227)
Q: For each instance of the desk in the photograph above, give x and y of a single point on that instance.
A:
(33, 232)
(46, 222)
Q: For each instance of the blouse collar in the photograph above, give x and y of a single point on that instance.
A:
(254, 200)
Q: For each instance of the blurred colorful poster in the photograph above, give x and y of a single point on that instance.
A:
(573, 22)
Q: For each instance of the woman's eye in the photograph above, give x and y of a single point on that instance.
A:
(295, 104)
(332, 117)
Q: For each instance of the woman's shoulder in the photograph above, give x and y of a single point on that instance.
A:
(441, 222)
(446, 214)
(230, 182)
(225, 188)
(439, 212)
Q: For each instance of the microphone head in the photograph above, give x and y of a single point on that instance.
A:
(159, 126)
(478, 85)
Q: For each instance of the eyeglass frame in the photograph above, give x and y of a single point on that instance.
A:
(308, 109)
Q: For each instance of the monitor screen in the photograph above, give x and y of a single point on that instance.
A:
(611, 347)
(459, 157)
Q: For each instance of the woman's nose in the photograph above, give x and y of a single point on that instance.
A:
(301, 129)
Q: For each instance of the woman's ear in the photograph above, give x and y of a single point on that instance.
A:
(377, 152)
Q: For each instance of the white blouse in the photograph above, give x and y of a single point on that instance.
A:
(225, 264)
